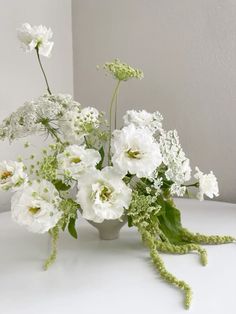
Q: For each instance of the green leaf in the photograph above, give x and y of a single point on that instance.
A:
(170, 223)
(130, 222)
(102, 154)
(71, 228)
(61, 186)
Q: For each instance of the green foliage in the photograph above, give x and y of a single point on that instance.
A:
(72, 229)
(102, 154)
(69, 208)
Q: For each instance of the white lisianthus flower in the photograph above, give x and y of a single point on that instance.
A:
(135, 151)
(75, 160)
(103, 194)
(12, 175)
(32, 37)
(144, 119)
(208, 184)
(36, 206)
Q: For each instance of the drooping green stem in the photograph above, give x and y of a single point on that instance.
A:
(182, 249)
(159, 264)
(44, 74)
(54, 233)
(116, 105)
(110, 119)
(205, 239)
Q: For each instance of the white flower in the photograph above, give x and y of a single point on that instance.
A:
(177, 189)
(144, 119)
(103, 194)
(32, 37)
(208, 184)
(75, 160)
(12, 175)
(135, 151)
(178, 168)
(36, 207)
(75, 124)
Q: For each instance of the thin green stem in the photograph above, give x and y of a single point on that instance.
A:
(116, 105)
(41, 67)
(110, 119)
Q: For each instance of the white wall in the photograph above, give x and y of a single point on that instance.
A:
(20, 77)
(187, 50)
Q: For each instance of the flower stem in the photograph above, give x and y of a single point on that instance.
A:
(110, 119)
(51, 259)
(44, 74)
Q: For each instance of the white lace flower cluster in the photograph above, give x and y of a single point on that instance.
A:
(59, 112)
(143, 119)
(76, 123)
(177, 164)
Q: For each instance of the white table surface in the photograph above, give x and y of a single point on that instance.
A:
(92, 276)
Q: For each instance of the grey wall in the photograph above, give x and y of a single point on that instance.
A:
(187, 50)
(20, 77)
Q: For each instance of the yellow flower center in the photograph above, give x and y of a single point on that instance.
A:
(75, 160)
(105, 193)
(5, 175)
(134, 154)
(34, 210)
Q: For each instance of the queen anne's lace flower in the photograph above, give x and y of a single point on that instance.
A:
(178, 168)
(144, 119)
(103, 194)
(208, 184)
(32, 37)
(36, 207)
(122, 71)
(12, 175)
(75, 160)
(135, 151)
(29, 118)
(75, 124)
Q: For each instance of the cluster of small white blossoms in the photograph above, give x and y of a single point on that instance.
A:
(143, 119)
(76, 123)
(178, 168)
(59, 112)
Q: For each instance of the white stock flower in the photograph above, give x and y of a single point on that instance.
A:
(75, 160)
(103, 195)
(32, 37)
(12, 175)
(177, 189)
(178, 168)
(144, 119)
(135, 151)
(36, 207)
(208, 184)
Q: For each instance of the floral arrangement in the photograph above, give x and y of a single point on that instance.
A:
(131, 173)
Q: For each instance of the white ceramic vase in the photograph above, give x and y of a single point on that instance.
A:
(109, 229)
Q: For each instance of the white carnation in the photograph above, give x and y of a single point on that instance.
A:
(32, 37)
(144, 119)
(103, 195)
(36, 207)
(75, 160)
(208, 184)
(12, 175)
(135, 151)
